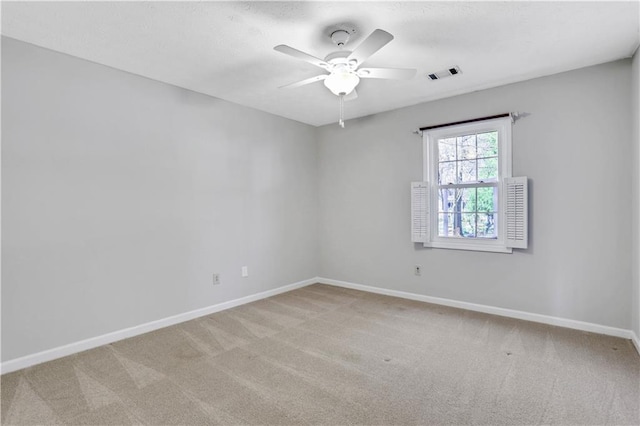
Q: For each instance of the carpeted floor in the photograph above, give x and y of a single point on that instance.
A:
(334, 356)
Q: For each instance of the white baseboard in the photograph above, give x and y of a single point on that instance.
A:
(93, 342)
(636, 341)
(527, 316)
(83, 345)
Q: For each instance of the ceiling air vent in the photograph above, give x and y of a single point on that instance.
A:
(445, 73)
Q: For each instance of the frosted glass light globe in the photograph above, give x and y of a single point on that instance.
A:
(342, 82)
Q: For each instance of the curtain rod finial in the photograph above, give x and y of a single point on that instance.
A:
(516, 115)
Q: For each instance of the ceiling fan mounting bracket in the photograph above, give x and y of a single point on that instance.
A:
(345, 27)
(340, 37)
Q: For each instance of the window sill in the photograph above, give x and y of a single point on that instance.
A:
(477, 246)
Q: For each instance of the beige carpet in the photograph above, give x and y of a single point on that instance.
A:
(335, 356)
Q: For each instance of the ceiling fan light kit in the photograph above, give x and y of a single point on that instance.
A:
(344, 74)
(342, 83)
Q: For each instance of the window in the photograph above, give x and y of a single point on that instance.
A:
(466, 168)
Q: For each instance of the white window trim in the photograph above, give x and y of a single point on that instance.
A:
(430, 173)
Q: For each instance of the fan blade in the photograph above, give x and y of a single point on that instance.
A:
(351, 96)
(376, 41)
(390, 73)
(303, 82)
(301, 55)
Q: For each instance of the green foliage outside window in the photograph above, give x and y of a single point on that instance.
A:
(468, 159)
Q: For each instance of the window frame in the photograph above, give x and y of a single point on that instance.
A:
(431, 170)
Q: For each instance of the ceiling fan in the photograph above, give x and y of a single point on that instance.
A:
(343, 66)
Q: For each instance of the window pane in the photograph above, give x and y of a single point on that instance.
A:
(468, 225)
(447, 200)
(466, 147)
(445, 224)
(468, 212)
(447, 149)
(457, 200)
(467, 200)
(487, 225)
(488, 169)
(447, 173)
(487, 144)
(487, 199)
(456, 225)
(467, 171)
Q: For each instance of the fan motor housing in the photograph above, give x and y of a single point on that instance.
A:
(340, 57)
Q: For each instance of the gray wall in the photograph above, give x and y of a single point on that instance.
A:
(635, 253)
(122, 195)
(575, 149)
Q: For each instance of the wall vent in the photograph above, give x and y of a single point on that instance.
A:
(454, 70)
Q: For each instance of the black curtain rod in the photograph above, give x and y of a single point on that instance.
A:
(473, 120)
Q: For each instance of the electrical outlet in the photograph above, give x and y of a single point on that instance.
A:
(245, 271)
(418, 270)
(216, 279)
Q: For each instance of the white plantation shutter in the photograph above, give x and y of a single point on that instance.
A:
(516, 212)
(419, 212)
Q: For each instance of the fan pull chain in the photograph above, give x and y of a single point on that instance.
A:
(341, 121)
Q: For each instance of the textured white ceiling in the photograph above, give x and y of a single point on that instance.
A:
(225, 49)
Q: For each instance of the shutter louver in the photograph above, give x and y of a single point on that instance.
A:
(517, 220)
(419, 212)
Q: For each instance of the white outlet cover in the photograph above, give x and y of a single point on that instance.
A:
(245, 271)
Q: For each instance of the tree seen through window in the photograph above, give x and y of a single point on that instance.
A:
(467, 184)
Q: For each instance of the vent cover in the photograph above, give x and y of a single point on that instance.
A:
(454, 70)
